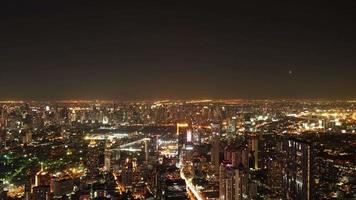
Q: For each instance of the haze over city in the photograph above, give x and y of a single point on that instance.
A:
(177, 100)
(176, 50)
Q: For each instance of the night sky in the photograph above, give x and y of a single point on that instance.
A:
(58, 49)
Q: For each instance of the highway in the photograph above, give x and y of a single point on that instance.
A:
(188, 182)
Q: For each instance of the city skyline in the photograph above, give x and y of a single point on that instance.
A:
(181, 150)
(177, 100)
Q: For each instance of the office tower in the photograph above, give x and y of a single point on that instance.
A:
(298, 181)
(42, 177)
(233, 123)
(215, 146)
(247, 122)
(236, 155)
(72, 116)
(147, 152)
(275, 173)
(253, 146)
(182, 129)
(107, 160)
(197, 167)
(4, 116)
(222, 178)
(127, 175)
(230, 155)
(112, 159)
(27, 137)
(196, 137)
(41, 192)
(62, 186)
(215, 151)
(96, 156)
(232, 182)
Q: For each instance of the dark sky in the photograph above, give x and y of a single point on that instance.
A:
(159, 49)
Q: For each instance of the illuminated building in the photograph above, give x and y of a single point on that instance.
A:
(215, 146)
(254, 150)
(41, 192)
(42, 177)
(62, 186)
(182, 129)
(2, 137)
(196, 137)
(4, 116)
(146, 151)
(175, 189)
(232, 182)
(197, 167)
(236, 155)
(105, 120)
(232, 127)
(96, 156)
(274, 169)
(275, 173)
(107, 160)
(27, 138)
(127, 175)
(298, 179)
(112, 160)
(215, 151)
(247, 122)
(189, 136)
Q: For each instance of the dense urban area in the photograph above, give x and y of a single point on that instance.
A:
(201, 149)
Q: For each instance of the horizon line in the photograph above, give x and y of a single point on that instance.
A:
(189, 100)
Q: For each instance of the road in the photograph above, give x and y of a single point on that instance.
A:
(188, 182)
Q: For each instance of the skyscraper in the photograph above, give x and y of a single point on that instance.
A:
(298, 180)
(232, 182)
(215, 151)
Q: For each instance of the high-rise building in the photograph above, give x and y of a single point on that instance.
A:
(275, 174)
(254, 152)
(215, 151)
(62, 186)
(2, 138)
(182, 129)
(41, 192)
(112, 160)
(96, 156)
(27, 137)
(107, 160)
(247, 122)
(127, 175)
(42, 178)
(233, 124)
(4, 116)
(298, 180)
(236, 155)
(232, 182)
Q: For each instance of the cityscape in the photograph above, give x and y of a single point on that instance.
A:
(199, 149)
(177, 100)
